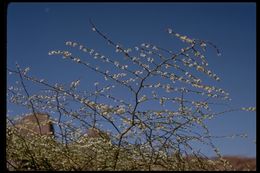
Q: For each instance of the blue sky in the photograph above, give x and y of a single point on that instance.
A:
(35, 29)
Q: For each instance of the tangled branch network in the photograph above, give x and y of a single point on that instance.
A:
(153, 125)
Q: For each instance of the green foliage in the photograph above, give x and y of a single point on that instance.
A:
(45, 153)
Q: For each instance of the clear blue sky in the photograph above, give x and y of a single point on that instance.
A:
(35, 29)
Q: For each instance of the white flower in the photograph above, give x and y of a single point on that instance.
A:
(249, 109)
(138, 72)
(124, 67)
(128, 50)
(74, 44)
(75, 83)
(105, 113)
(157, 85)
(203, 44)
(150, 60)
(66, 53)
(188, 40)
(162, 100)
(154, 48)
(68, 43)
(197, 53)
(81, 47)
(164, 74)
(183, 37)
(190, 65)
(116, 63)
(76, 59)
(199, 68)
(96, 83)
(142, 55)
(91, 51)
(27, 69)
(169, 30)
(120, 110)
(104, 108)
(143, 98)
(168, 88)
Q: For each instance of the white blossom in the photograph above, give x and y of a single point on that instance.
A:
(143, 98)
(142, 54)
(169, 30)
(121, 110)
(74, 83)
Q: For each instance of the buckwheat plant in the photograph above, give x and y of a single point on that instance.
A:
(153, 126)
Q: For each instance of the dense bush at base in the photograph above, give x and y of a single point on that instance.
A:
(45, 153)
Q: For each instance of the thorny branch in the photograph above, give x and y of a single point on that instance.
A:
(150, 74)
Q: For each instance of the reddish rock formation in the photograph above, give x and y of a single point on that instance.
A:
(29, 124)
(96, 133)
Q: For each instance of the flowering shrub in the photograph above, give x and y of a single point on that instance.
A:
(152, 127)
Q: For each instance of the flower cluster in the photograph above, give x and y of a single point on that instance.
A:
(181, 37)
(249, 109)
